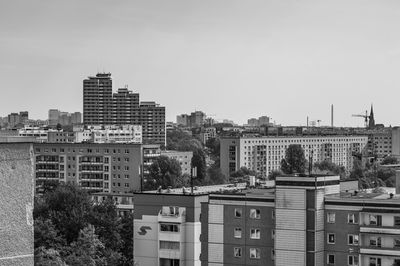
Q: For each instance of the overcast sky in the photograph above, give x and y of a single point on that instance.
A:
(232, 59)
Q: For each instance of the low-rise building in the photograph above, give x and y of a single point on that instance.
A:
(264, 154)
(108, 167)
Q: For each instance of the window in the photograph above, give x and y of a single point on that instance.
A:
(396, 220)
(375, 241)
(255, 214)
(331, 259)
(169, 245)
(330, 218)
(396, 242)
(238, 212)
(237, 252)
(273, 234)
(352, 260)
(254, 253)
(238, 232)
(352, 240)
(331, 238)
(374, 261)
(169, 227)
(126, 184)
(375, 219)
(255, 233)
(351, 218)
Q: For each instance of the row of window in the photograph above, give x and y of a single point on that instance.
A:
(254, 253)
(374, 219)
(352, 239)
(38, 150)
(352, 260)
(253, 214)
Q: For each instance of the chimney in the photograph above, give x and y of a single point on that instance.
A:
(332, 115)
(397, 181)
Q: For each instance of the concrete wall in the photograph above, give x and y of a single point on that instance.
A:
(16, 204)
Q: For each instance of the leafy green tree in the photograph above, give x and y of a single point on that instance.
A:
(389, 160)
(273, 174)
(68, 207)
(164, 172)
(294, 161)
(126, 232)
(48, 257)
(87, 249)
(215, 175)
(46, 235)
(214, 145)
(329, 167)
(243, 171)
(199, 161)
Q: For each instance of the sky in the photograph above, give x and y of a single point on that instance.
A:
(233, 59)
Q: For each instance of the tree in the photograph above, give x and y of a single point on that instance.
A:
(294, 161)
(87, 249)
(164, 172)
(273, 174)
(213, 145)
(389, 160)
(242, 172)
(329, 167)
(65, 223)
(215, 175)
(67, 207)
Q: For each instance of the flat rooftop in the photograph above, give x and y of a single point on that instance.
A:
(199, 190)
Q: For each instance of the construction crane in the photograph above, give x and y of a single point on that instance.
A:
(363, 116)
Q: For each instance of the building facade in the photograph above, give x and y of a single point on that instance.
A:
(183, 157)
(305, 221)
(103, 107)
(264, 154)
(167, 229)
(16, 208)
(111, 168)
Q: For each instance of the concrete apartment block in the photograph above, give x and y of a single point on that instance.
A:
(16, 204)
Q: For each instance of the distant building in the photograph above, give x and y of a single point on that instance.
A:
(64, 118)
(195, 119)
(183, 120)
(13, 120)
(123, 202)
(40, 133)
(264, 154)
(207, 133)
(16, 208)
(109, 167)
(150, 153)
(257, 122)
(103, 107)
(183, 157)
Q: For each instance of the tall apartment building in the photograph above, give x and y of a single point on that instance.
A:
(111, 167)
(126, 107)
(98, 100)
(103, 107)
(152, 120)
(305, 221)
(264, 154)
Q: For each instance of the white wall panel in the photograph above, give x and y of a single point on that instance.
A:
(290, 258)
(290, 198)
(216, 214)
(216, 233)
(290, 240)
(290, 219)
(215, 253)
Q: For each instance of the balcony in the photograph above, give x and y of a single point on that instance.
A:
(172, 214)
(374, 229)
(380, 251)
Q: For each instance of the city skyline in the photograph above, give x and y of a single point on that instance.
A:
(282, 59)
